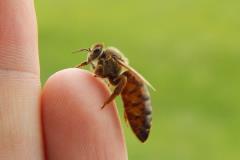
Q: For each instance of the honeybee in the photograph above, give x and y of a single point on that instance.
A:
(111, 64)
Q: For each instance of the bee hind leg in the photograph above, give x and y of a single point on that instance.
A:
(122, 80)
(126, 118)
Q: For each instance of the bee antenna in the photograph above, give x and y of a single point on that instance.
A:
(81, 50)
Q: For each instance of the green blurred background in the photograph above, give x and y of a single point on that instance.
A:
(189, 50)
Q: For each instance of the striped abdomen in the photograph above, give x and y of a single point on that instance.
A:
(137, 105)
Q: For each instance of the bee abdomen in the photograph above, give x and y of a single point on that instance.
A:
(137, 105)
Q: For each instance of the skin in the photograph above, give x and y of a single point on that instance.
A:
(62, 121)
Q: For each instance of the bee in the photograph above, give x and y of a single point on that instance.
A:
(109, 63)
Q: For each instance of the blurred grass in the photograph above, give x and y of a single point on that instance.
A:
(190, 52)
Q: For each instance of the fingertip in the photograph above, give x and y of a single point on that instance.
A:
(75, 126)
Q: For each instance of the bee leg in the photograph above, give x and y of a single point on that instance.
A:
(125, 117)
(82, 64)
(85, 63)
(93, 66)
(99, 71)
(122, 80)
(97, 76)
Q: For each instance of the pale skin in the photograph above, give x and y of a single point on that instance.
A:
(62, 121)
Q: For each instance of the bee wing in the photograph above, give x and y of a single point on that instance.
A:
(134, 71)
(117, 55)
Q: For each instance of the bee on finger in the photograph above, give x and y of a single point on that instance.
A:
(109, 63)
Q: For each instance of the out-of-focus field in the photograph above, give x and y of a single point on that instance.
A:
(190, 52)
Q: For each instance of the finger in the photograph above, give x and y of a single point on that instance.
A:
(74, 125)
(20, 134)
(18, 36)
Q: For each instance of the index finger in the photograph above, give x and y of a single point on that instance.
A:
(18, 36)
(20, 130)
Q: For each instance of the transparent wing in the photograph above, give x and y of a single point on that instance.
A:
(117, 54)
(134, 71)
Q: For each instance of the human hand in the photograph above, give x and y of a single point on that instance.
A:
(64, 121)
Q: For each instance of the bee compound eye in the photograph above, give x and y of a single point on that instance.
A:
(97, 51)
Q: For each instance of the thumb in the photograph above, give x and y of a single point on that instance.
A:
(75, 127)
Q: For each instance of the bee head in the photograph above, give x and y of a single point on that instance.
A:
(94, 52)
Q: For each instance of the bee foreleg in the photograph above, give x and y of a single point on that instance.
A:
(119, 87)
(86, 63)
(82, 64)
